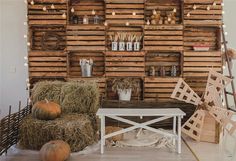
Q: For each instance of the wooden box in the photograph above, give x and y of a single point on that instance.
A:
(163, 38)
(46, 64)
(50, 16)
(125, 64)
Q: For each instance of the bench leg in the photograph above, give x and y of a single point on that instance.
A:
(179, 134)
(174, 129)
(102, 133)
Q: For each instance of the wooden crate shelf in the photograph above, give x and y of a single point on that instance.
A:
(163, 38)
(201, 16)
(37, 34)
(166, 60)
(74, 63)
(37, 16)
(124, 10)
(85, 7)
(47, 64)
(203, 36)
(159, 89)
(198, 64)
(164, 6)
(124, 64)
(85, 38)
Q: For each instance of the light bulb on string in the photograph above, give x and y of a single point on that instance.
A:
(44, 8)
(52, 6)
(222, 4)
(105, 23)
(26, 64)
(127, 23)
(194, 7)
(25, 23)
(223, 12)
(174, 10)
(224, 67)
(148, 22)
(134, 13)
(224, 26)
(93, 12)
(188, 14)
(28, 85)
(27, 80)
(208, 8)
(113, 13)
(32, 2)
(72, 10)
(64, 15)
(25, 57)
(214, 3)
(28, 43)
(25, 36)
(226, 33)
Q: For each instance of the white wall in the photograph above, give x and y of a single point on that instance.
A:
(13, 49)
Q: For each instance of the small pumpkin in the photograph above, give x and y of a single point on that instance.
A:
(46, 110)
(56, 150)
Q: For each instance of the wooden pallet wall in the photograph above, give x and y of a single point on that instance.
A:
(202, 15)
(163, 38)
(51, 16)
(124, 10)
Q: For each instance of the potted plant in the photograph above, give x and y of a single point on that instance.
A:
(129, 44)
(137, 43)
(124, 87)
(122, 38)
(114, 43)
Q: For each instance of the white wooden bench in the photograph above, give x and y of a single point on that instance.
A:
(161, 114)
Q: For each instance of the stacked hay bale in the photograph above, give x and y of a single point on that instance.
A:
(77, 125)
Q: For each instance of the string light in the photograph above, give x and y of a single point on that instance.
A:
(223, 12)
(44, 8)
(93, 12)
(222, 4)
(113, 13)
(214, 3)
(32, 2)
(224, 26)
(25, 36)
(188, 15)
(105, 23)
(25, 23)
(174, 10)
(148, 22)
(127, 23)
(208, 8)
(226, 33)
(28, 43)
(72, 10)
(134, 13)
(194, 7)
(25, 57)
(64, 15)
(52, 6)
(26, 64)
(224, 67)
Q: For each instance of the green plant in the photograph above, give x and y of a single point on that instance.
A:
(125, 84)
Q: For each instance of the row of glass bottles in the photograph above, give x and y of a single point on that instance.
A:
(162, 71)
(85, 19)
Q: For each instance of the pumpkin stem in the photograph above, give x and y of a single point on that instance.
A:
(46, 100)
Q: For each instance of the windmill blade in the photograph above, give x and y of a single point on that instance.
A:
(217, 80)
(183, 92)
(212, 96)
(193, 126)
(225, 117)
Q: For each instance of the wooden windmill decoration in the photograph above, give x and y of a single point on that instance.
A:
(210, 103)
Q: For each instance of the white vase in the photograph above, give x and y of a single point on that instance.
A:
(136, 46)
(121, 46)
(86, 70)
(124, 95)
(114, 46)
(129, 46)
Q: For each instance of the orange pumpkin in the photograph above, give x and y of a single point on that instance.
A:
(46, 110)
(56, 150)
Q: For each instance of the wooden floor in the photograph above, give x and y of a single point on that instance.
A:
(117, 154)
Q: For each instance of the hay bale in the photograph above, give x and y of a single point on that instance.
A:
(80, 97)
(51, 90)
(78, 130)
